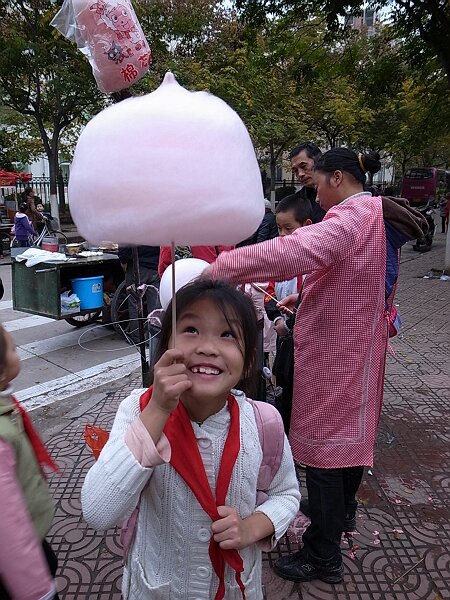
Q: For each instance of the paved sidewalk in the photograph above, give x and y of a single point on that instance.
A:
(402, 548)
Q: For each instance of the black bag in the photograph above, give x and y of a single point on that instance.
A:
(283, 366)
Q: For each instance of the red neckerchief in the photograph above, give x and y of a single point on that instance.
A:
(188, 463)
(40, 451)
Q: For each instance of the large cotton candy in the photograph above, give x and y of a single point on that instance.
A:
(170, 166)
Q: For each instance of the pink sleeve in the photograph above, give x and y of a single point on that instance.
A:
(143, 448)
(307, 249)
(23, 566)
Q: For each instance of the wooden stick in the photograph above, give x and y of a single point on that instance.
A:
(271, 297)
(415, 565)
(174, 304)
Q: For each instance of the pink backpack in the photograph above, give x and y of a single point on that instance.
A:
(271, 437)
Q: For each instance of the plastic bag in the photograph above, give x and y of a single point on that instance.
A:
(109, 35)
(95, 438)
(69, 303)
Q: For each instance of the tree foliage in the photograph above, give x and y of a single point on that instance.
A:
(293, 75)
(42, 77)
(423, 25)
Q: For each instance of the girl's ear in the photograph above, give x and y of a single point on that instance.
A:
(307, 222)
(337, 178)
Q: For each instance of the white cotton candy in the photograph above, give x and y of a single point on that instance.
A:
(170, 166)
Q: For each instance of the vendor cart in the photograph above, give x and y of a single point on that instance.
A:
(37, 290)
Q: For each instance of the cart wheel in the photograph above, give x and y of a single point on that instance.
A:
(82, 320)
(120, 314)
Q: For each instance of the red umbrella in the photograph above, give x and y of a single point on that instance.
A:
(10, 178)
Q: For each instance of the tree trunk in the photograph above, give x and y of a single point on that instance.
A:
(61, 191)
(53, 171)
(53, 162)
(273, 174)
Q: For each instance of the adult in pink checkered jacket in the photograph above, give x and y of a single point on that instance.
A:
(340, 337)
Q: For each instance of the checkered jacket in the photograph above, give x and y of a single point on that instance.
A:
(340, 333)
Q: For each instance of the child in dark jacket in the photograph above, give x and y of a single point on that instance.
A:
(23, 228)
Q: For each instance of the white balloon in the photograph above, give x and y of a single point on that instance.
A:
(186, 270)
(170, 166)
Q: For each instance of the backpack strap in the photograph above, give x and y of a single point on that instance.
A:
(271, 437)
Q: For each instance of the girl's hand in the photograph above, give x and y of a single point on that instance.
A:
(287, 303)
(230, 532)
(170, 381)
(233, 533)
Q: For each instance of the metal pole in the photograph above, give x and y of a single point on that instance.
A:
(140, 316)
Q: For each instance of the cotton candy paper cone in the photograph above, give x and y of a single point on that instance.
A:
(171, 166)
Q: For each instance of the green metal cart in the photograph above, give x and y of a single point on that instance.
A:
(37, 290)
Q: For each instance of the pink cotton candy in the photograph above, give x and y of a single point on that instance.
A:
(172, 165)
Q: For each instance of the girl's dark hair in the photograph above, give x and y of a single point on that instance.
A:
(233, 304)
(300, 206)
(343, 159)
(23, 207)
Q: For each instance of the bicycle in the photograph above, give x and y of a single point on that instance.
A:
(37, 242)
(48, 231)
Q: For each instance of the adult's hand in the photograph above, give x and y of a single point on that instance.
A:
(287, 305)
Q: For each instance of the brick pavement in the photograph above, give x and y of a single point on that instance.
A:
(402, 548)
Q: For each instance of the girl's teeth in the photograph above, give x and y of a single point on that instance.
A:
(205, 370)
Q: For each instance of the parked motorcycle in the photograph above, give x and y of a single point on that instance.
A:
(424, 244)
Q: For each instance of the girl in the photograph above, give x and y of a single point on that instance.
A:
(340, 339)
(187, 452)
(23, 229)
(27, 562)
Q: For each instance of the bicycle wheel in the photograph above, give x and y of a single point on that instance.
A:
(82, 320)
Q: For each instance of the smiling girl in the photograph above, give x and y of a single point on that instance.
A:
(187, 452)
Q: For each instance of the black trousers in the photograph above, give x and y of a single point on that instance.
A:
(52, 563)
(332, 496)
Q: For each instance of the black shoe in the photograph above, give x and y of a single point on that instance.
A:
(349, 521)
(296, 567)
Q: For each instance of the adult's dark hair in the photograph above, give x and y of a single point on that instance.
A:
(312, 151)
(344, 159)
(26, 192)
(234, 305)
(300, 206)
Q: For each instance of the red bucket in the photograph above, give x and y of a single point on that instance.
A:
(50, 244)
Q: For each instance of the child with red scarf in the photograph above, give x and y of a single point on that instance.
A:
(187, 453)
(27, 561)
